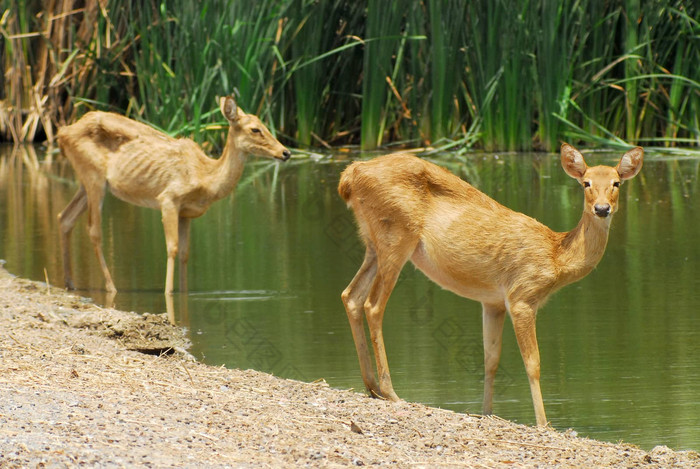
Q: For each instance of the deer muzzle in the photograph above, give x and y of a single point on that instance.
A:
(602, 210)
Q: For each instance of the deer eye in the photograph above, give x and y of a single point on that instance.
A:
(616, 184)
(255, 130)
(586, 183)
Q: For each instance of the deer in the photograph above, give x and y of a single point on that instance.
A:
(143, 166)
(407, 208)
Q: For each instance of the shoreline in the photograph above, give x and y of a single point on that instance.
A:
(85, 385)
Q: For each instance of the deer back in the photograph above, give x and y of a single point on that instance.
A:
(461, 238)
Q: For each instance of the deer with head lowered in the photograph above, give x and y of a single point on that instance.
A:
(145, 167)
(410, 209)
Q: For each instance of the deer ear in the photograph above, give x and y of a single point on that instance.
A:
(572, 161)
(631, 163)
(229, 108)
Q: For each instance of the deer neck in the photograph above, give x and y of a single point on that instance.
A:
(582, 248)
(229, 168)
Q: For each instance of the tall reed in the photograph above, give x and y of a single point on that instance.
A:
(446, 65)
(321, 77)
(382, 36)
(558, 25)
(495, 74)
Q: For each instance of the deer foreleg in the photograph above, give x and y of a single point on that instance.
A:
(523, 316)
(170, 226)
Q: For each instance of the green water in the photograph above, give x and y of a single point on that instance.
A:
(620, 349)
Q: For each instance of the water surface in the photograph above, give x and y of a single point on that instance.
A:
(619, 348)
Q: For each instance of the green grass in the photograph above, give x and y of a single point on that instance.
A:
(491, 74)
(382, 40)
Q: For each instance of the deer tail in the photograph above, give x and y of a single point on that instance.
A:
(344, 187)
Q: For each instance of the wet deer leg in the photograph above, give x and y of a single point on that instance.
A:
(67, 219)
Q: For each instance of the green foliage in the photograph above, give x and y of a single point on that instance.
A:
(497, 74)
(384, 23)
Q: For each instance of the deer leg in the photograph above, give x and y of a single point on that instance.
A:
(354, 297)
(66, 220)
(170, 225)
(183, 250)
(384, 282)
(493, 317)
(95, 197)
(523, 316)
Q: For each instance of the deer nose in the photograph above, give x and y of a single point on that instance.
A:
(602, 210)
(286, 154)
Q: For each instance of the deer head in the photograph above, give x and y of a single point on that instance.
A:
(249, 133)
(601, 184)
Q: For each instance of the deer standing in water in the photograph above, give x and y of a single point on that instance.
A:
(407, 208)
(145, 167)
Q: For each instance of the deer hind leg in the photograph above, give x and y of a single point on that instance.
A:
(493, 317)
(354, 297)
(183, 250)
(66, 220)
(95, 197)
(523, 317)
(389, 264)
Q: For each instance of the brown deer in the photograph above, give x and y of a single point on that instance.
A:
(408, 208)
(145, 167)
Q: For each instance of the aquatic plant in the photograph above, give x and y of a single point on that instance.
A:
(499, 75)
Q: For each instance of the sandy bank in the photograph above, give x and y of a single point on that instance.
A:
(77, 388)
